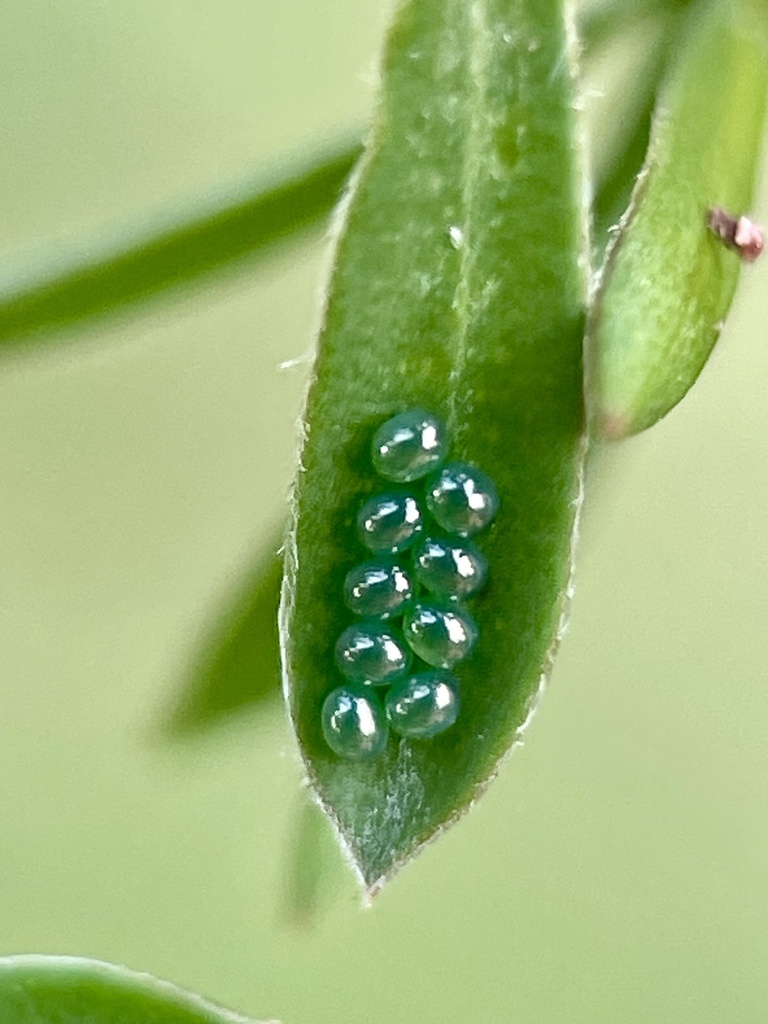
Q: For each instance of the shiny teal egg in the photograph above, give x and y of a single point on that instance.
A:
(354, 723)
(462, 499)
(423, 705)
(372, 652)
(449, 568)
(409, 446)
(378, 590)
(390, 523)
(441, 634)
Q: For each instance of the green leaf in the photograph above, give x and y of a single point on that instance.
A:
(230, 674)
(71, 990)
(234, 228)
(601, 22)
(668, 283)
(616, 170)
(237, 666)
(458, 286)
(313, 868)
(232, 671)
(214, 237)
(618, 181)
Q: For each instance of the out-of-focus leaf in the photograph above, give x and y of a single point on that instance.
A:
(668, 283)
(313, 866)
(213, 236)
(613, 196)
(209, 239)
(601, 22)
(617, 166)
(237, 666)
(459, 287)
(71, 990)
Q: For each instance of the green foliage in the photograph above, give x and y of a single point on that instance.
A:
(212, 240)
(668, 283)
(616, 172)
(313, 872)
(600, 23)
(458, 287)
(237, 666)
(71, 990)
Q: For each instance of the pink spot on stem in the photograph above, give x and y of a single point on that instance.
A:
(740, 234)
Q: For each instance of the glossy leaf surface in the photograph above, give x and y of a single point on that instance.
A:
(71, 990)
(668, 282)
(458, 288)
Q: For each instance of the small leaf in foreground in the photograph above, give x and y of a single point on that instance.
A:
(72, 990)
(459, 289)
(668, 282)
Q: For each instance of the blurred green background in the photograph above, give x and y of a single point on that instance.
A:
(618, 868)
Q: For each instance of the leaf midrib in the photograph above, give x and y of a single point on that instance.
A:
(476, 70)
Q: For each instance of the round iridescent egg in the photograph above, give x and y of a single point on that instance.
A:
(449, 568)
(462, 499)
(423, 705)
(378, 589)
(389, 523)
(409, 446)
(373, 653)
(354, 723)
(441, 634)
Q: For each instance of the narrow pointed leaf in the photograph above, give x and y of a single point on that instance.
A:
(71, 990)
(458, 287)
(232, 671)
(668, 282)
(214, 237)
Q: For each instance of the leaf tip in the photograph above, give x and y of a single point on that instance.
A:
(614, 426)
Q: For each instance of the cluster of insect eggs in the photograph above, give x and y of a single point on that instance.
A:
(417, 575)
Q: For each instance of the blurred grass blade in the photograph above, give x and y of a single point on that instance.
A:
(617, 166)
(237, 667)
(73, 292)
(601, 22)
(71, 990)
(313, 866)
(458, 286)
(667, 282)
(618, 181)
(238, 227)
